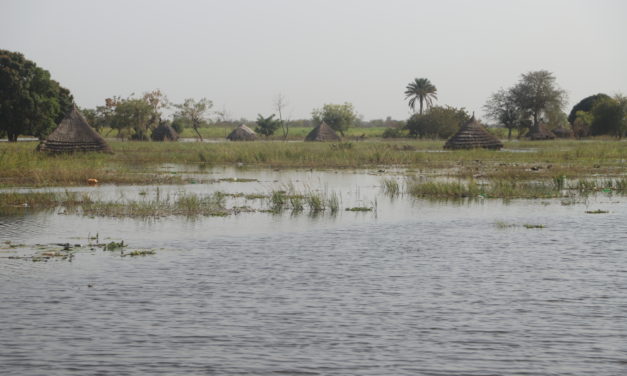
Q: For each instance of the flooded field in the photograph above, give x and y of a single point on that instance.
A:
(403, 287)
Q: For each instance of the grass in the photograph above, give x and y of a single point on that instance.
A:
(598, 211)
(524, 169)
(391, 187)
(510, 188)
(184, 204)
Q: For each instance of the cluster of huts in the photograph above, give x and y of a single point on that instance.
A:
(75, 134)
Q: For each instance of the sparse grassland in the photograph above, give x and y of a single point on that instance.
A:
(295, 133)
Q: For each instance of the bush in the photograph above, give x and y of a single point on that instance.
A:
(393, 133)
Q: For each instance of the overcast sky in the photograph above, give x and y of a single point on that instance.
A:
(242, 53)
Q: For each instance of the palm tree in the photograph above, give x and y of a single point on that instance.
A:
(423, 90)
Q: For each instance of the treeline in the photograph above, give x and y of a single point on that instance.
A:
(536, 100)
(31, 103)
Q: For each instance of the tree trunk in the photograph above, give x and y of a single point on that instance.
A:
(12, 137)
(535, 122)
(509, 133)
(198, 133)
(421, 106)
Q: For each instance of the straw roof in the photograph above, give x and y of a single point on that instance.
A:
(541, 132)
(164, 132)
(322, 132)
(242, 133)
(473, 135)
(563, 132)
(74, 134)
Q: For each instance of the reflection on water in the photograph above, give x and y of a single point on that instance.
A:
(415, 287)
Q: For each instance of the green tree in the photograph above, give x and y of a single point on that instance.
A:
(555, 117)
(502, 107)
(536, 92)
(30, 101)
(439, 122)
(179, 124)
(267, 126)
(422, 90)
(158, 101)
(608, 117)
(340, 117)
(195, 112)
(581, 124)
(586, 105)
(132, 118)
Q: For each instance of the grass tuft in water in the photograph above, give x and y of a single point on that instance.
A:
(598, 211)
(359, 209)
(141, 252)
(114, 246)
(391, 187)
(315, 202)
(333, 202)
(532, 226)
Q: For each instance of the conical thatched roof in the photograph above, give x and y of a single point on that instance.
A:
(242, 133)
(540, 133)
(563, 132)
(473, 135)
(74, 134)
(322, 132)
(164, 132)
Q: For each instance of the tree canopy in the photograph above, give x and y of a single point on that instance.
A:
(439, 122)
(194, 111)
(267, 125)
(586, 105)
(421, 90)
(502, 107)
(30, 101)
(608, 117)
(132, 117)
(340, 117)
(536, 92)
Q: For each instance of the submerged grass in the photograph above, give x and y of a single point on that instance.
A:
(504, 225)
(391, 187)
(512, 188)
(296, 202)
(185, 204)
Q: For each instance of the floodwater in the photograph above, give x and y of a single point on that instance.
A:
(413, 287)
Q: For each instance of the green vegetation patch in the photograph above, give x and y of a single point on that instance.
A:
(359, 209)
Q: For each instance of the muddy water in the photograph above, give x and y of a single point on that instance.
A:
(412, 288)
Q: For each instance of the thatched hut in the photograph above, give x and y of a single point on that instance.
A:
(74, 134)
(473, 135)
(164, 132)
(242, 133)
(322, 132)
(541, 132)
(563, 132)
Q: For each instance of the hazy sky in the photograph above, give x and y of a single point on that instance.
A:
(242, 53)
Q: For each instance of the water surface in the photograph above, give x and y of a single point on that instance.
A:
(412, 288)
